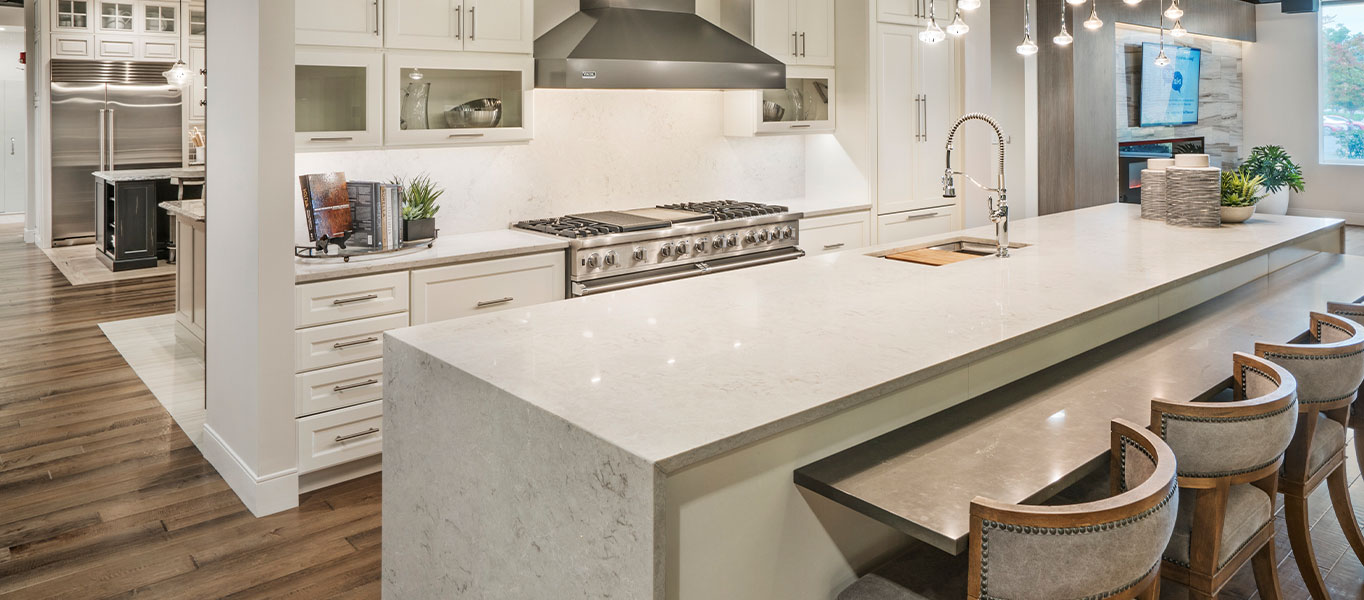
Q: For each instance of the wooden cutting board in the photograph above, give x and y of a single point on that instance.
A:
(932, 258)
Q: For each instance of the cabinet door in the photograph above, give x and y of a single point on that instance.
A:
(338, 22)
(72, 15)
(116, 47)
(835, 233)
(773, 29)
(116, 16)
(426, 24)
(899, 125)
(499, 26)
(73, 45)
(905, 12)
(161, 18)
(934, 82)
(915, 224)
(457, 98)
(338, 98)
(815, 22)
(154, 48)
(198, 91)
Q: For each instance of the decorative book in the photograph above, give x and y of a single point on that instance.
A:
(326, 203)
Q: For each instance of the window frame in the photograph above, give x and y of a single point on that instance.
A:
(1323, 157)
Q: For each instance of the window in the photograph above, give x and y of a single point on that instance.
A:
(116, 16)
(1342, 82)
(160, 19)
(71, 14)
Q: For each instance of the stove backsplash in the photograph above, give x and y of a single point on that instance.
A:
(593, 150)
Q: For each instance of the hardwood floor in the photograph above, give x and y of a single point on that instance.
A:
(102, 495)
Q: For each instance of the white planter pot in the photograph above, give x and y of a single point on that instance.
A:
(1237, 214)
(1275, 204)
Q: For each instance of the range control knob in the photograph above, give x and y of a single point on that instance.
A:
(732, 240)
(751, 237)
(701, 244)
(640, 254)
(683, 247)
(666, 250)
(764, 235)
(788, 233)
(610, 259)
(593, 261)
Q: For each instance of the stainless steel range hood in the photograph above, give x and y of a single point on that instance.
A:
(649, 44)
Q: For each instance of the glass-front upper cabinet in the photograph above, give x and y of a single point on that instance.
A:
(71, 15)
(160, 18)
(435, 99)
(338, 99)
(198, 20)
(806, 105)
(117, 17)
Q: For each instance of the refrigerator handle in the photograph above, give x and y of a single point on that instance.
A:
(112, 139)
(103, 142)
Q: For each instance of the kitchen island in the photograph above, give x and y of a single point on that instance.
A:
(130, 232)
(191, 276)
(641, 444)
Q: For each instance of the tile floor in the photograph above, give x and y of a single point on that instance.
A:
(172, 369)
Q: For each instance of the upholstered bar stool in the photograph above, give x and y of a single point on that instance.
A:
(1353, 312)
(1229, 458)
(1329, 367)
(1107, 549)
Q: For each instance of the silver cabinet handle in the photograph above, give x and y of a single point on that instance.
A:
(921, 217)
(803, 45)
(465, 135)
(370, 431)
(103, 139)
(376, 17)
(918, 117)
(112, 138)
(332, 139)
(459, 18)
(795, 43)
(473, 23)
(834, 246)
(801, 126)
(344, 345)
(487, 303)
(11, 146)
(923, 112)
(366, 383)
(363, 298)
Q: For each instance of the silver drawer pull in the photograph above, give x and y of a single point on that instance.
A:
(918, 217)
(344, 345)
(355, 299)
(465, 135)
(342, 388)
(370, 431)
(834, 246)
(332, 139)
(487, 303)
(806, 126)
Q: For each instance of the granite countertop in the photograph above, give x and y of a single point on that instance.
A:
(448, 249)
(123, 175)
(188, 209)
(818, 207)
(790, 343)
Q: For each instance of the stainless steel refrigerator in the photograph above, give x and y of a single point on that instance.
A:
(106, 116)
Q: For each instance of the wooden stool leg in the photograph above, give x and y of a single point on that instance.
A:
(1300, 538)
(1152, 592)
(1266, 569)
(1359, 449)
(1345, 512)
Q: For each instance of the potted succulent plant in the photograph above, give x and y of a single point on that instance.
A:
(1241, 191)
(1280, 175)
(420, 208)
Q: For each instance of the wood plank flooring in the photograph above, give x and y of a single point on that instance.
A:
(102, 496)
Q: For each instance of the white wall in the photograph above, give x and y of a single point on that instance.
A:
(1281, 108)
(593, 150)
(11, 44)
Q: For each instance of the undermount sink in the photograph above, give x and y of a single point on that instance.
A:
(944, 252)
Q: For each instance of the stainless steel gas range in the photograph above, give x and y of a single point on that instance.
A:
(615, 250)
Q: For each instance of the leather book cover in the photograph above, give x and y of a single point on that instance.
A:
(327, 204)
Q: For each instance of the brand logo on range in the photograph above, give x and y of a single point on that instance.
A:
(589, 74)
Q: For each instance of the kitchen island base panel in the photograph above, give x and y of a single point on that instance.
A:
(557, 513)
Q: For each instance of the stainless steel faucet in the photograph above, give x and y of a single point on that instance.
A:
(999, 210)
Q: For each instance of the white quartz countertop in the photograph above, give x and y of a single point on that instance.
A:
(189, 209)
(149, 174)
(815, 207)
(680, 372)
(448, 249)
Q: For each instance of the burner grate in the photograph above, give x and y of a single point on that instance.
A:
(728, 210)
(569, 227)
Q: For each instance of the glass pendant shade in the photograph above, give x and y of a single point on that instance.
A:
(1064, 38)
(933, 34)
(1075, 2)
(1094, 22)
(1174, 13)
(416, 74)
(1162, 60)
(968, 5)
(1028, 47)
(1178, 31)
(1131, 2)
(178, 75)
(958, 26)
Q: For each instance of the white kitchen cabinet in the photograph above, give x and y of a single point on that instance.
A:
(73, 45)
(167, 49)
(341, 300)
(191, 279)
(338, 387)
(196, 20)
(338, 98)
(341, 343)
(456, 291)
(198, 90)
(835, 233)
(799, 32)
(422, 88)
(339, 22)
(905, 12)
(915, 224)
(116, 16)
(807, 105)
(116, 47)
(340, 436)
(464, 25)
(914, 83)
(160, 18)
(72, 15)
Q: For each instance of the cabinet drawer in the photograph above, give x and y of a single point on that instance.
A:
(338, 387)
(834, 233)
(340, 436)
(348, 299)
(107, 46)
(461, 290)
(160, 49)
(914, 224)
(343, 343)
(73, 46)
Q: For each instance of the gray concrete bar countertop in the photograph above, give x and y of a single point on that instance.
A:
(149, 174)
(193, 210)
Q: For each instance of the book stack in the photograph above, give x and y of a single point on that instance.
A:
(327, 206)
(378, 214)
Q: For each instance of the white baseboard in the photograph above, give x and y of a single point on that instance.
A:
(262, 495)
(1351, 218)
(317, 480)
(30, 235)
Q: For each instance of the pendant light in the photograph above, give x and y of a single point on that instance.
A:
(958, 27)
(179, 74)
(1094, 22)
(968, 5)
(1064, 38)
(1028, 47)
(1178, 31)
(1174, 13)
(416, 74)
(933, 34)
(1131, 2)
(1161, 59)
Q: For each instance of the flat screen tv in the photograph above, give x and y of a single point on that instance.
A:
(1169, 94)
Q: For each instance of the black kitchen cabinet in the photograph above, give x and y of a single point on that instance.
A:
(126, 224)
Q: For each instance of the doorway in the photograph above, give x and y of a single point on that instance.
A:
(13, 125)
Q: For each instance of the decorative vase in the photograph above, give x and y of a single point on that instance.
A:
(1237, 214)
(413, 115)
(419, 229)
(1275, 203)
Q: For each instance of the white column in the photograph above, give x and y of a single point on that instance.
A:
(250, 435)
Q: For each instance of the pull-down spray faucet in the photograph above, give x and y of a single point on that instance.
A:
(999, 211)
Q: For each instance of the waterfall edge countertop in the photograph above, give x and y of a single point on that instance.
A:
(149, 174)
(677, 373)
(193, 210)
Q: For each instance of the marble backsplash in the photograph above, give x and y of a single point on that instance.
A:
(1221, 110)
(593, 150)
